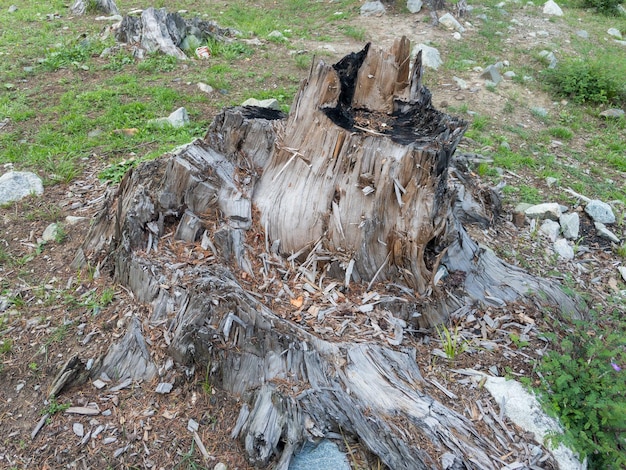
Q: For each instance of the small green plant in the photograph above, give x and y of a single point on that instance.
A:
(606, 7)
(621, 250)
(583, 384)
(452, 343)
(587, 81)
(33, 367)
(519, 343)
(115, 172)
(54, 407)
(6, 346)
(228, 50)
(355, 33)
(188, 460)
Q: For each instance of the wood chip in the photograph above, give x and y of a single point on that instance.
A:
(82, 410)
(39, 425)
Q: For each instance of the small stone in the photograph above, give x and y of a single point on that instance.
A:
(375, 8)
(12, 9)
(220, 466)
(109, 440)
(323, 455)
(457, 36)
(600, 211)
(539, 111)
(604, 232)
(563, 249)
(581, 33)
(192, 425)
(74, 220)
(622, 271)
(78, 429)
(276, 35)
(164, 388)
(550, 58)
(613, 113)
(551, 8)
(16, 185)
(270, 103)
(614, 32)
(50, 233)
(82, 410)
(548, 210)
(19, 386)
(462, 84)
(570, 225)
(430, 56)
(95, 133)
(205, 88)
(551, 180)
(414, 6)
(450, 22)
(99, 384)
(179, 118)
(509, 75)
(550, 229)
(492, 74)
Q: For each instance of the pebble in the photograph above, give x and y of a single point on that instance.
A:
(600, 212)
(605, 232)
(109, 440)
(78, 429)
(164, 388)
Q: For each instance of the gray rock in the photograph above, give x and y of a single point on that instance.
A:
(430, 56)
(74, 220)
(12, 9)
(600, 212)
(563, 249)
(205, 88)
(451, 22)
(414, 6)
(604, 232)
(581, 33)
(550, 229)
(375, 8)
(551, 8)
(50, 233)
(276, 35)
(78, 429)
(269, 103)
(548, 210)
(178, 118)
(164, 388)
(509, 75)
(551, 180)
(492, 74)
(570, 225)
(462, 84)
(614, 32)
(16, 185)
(550, 58)
(522, 206)
(321, 456)
(539, 111)
(622, 271)
(220, 466)
(613, 113)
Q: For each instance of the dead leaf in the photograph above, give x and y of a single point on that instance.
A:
(297, 302)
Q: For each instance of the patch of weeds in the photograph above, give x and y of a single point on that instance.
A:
(188, 461)
(303, 61)
(562, 133)
(519, 343)
(158, 62)
(118, 61)
(452, 343)
(588, 80)
(228, 50)
(583, 384)
(206, 383)
(55, 407)
(621, 251)
(69, 55)
(479, 123)
(606, 7)
(116, 171)
(356, 33)
(529, 194)
(6, 346)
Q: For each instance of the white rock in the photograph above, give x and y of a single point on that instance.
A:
(74, 220)
(450, 22)
(164, 387)
(614, 32)
(99, 384)
(600, 211)
(563, 249)
(551, 8)
(16, 185)
(50, 233)
(270, 103)
(605, 232)
(205, 88)
(414, 6)
(430, 56)
(550, 229)
(78, 429)
(548, 210)
(179, 118)
(570, 225)
(524, 410)
(622, 271)
(462, 84)
(374, 8)
(276, 35)
(220, 466)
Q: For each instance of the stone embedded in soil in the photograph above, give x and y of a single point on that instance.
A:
(605, 233)
(563, 249)
(450, 22)
(613, 113)
(414, 6)
(430, 56)
(78, 429)
(551, 8)
(622, 271)
(16, 185)
(373, 9)
(550, 229)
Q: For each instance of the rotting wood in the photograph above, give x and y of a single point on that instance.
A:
(257, 246)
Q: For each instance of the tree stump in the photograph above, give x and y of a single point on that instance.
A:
(289, 255)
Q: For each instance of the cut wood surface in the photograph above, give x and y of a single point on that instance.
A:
(290, 255)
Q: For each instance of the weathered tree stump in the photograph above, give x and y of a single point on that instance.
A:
(79, 7)
(288, 255)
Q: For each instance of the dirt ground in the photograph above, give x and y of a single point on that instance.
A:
(59, 312)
